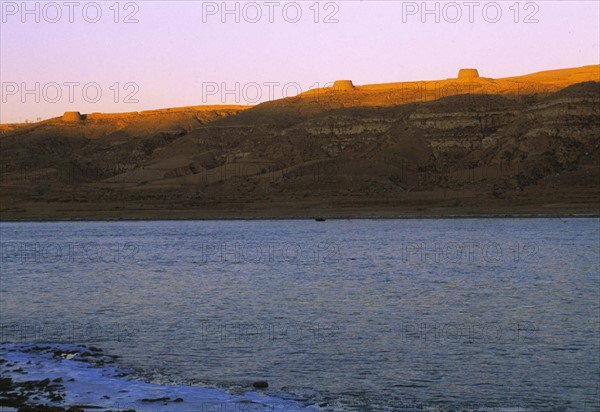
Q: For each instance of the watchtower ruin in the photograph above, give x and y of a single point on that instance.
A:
(72, 117)
(343, 85)
(468, 74)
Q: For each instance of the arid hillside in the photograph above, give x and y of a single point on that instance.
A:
(344, 151)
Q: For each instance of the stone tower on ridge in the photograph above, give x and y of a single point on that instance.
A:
(72, 117)
(343, 85)
(468, 74)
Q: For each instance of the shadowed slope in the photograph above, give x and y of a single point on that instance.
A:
(467, 153)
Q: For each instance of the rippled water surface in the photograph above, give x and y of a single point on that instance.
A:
(349, 314)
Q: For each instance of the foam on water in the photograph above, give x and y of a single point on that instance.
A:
(92, 378)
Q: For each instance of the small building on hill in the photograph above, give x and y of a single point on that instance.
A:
(468, 74)
(343, 85)
(72, 117)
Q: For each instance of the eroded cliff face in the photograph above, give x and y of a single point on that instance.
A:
(475, 127)
(465, 153)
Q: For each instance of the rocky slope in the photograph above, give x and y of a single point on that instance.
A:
(305, 156)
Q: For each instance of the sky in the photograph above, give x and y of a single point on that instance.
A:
(110, 56)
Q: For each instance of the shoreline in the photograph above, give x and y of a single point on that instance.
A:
(313, 218)
(63, 377)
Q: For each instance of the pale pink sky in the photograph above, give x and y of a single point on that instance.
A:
(182, 53)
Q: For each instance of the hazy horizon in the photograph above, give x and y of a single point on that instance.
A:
(175, 54)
